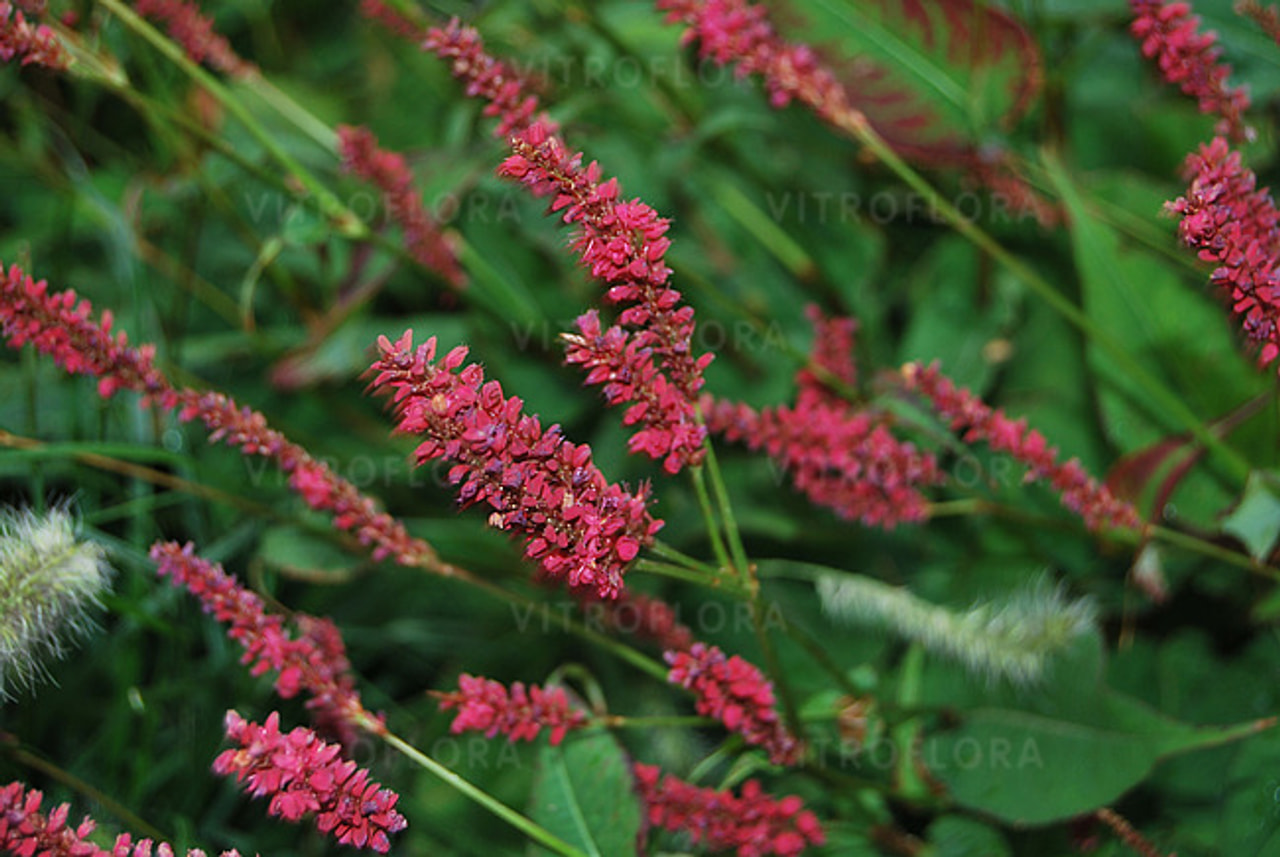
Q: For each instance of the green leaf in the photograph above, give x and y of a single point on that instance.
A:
(1072, 749)
(583, 793)
(1256, 519)
(957, 836)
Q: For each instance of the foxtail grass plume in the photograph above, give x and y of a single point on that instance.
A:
(49, 581)
(1012, 638)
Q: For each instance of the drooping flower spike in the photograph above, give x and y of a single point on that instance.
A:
(62, 326)
(26, 831)
(520, 713)
(388, 172)
(314, 660)
(751, 823)
(193, 30)
(578, 526)
(737, 694)
(301, 774)
(977, 421)
(1170, 34)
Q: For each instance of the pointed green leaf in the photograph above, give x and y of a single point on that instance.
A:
(1256, 519)
(583, 793)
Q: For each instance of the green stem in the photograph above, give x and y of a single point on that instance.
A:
(716, 580)
(529, 828)
(740, 561)
(709, 518)
(669, 553)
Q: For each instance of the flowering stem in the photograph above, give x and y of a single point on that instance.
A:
(857, 126)
(343, 219)
(716, 579)
(529, 828)
(740, 561)
(669, 553)
(709, 516)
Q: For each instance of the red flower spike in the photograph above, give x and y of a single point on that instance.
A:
(33, 44)
(838, 456)
(315, 661)
(193, 30)
(579, 527)
(301, 775)
(1234, 224)
(752, 824)
(649, 359)
(61, 325)
(642, 616)
(26, 831)
(387, 171)
(487, 78)
(1170, 35)
(737, 694)
(966, 413)
(488, 706)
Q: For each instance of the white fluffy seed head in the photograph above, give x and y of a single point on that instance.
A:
(1013, 638)
(49, 582)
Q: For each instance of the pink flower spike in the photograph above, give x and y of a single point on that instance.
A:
(33, 44)
(61, 325)
(1233, 223)
(301, 774)
(315, 660)
(194, 31)
(975, 421)
(388, 172)
(1170, 34)
(839, 456)
(753, 824)
(579, 527)
(26, 831)
(506, 91)
(488, 706)
(737, 694)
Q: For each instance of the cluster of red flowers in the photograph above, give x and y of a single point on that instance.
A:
(646, 361)
(738, 31)
(1171, 35)
(387, 171)
(33, 44)
(191, 29)
(737, 694)
(1234, 224)
(839, 456)
(485, 705)
(580, 527)
(62, 326)
(26, 831)
(752, 824)
(647, 358)
(966, 413)
(315, 661)
(302, 774)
